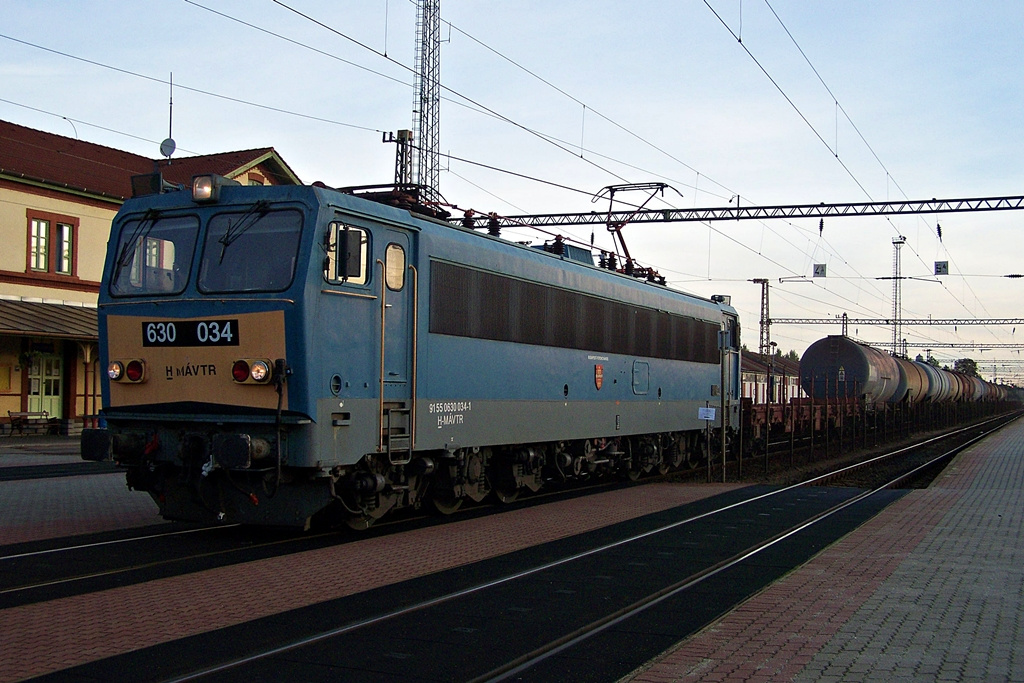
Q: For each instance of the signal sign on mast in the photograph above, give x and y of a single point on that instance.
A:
(819, 270)
(942, 267)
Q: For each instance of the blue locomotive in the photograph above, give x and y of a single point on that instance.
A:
(275, 354)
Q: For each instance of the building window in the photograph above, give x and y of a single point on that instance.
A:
(52, 240)
(39, 252)
(64, 244)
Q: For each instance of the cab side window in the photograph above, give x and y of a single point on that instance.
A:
(394, 267)
(347, 254)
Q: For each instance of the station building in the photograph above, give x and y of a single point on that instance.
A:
(58, 196)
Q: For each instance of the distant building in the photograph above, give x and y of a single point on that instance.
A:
(58, 196)
(755, 371)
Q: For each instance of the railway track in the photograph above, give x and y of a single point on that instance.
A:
(591, 607)
(43, 570)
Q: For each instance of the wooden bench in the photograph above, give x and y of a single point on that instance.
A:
(34, 420)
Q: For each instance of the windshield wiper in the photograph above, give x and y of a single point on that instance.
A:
(140, 232)
(248, 219)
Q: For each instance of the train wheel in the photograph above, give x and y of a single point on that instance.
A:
(359, 523)
(477, 487)
(506, 494)
(368, 509)
(674, 451)
(446, 504)
(634, 469)
(697, 453)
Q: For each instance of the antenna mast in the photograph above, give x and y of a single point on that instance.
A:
(167, 147)
(427, 103)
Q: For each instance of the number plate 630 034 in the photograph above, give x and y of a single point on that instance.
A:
(190, 333)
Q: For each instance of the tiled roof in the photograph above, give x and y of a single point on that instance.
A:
(228, 164)
(755, 362)
(27, 318)
(87, 167)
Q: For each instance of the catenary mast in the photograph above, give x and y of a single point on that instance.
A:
(427, 103)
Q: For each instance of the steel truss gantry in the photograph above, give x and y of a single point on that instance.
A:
(951, 345)
(737, 213)
(840, 320)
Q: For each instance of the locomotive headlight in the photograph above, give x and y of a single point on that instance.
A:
(206, 188)
(259, 371)
(203, 189)
(115, 370)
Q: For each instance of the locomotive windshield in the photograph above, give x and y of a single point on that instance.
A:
(252, 251)
(247, 251)
(154, 255)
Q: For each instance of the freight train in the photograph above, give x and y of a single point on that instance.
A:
(840, 367)
(279, 355)
(857, 394)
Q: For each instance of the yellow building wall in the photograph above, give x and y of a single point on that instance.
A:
(10, 376)
(93, 232)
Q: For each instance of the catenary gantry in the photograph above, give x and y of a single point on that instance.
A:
(821, 210)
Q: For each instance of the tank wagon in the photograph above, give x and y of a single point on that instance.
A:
(838, 367)
(914, 383)
(275, 354)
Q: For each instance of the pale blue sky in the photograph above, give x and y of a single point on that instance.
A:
(933, 87)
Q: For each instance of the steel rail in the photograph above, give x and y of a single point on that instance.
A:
(529, 660)
(537, 499)
(519, 664)
(115, 541)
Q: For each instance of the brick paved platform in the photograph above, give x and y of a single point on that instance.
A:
(55, 635)
(930, 589)
(19, 450)
(39, 509)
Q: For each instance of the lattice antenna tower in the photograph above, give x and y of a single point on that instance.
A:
(764, 347)
(427, 103)
(897, 293)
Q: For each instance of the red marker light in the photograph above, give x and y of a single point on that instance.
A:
(135, 371)
(240, 371)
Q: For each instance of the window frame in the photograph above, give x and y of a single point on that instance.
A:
(335, 227)
(206, 279)
(130, 284)
(54, 247)
(394, 271)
